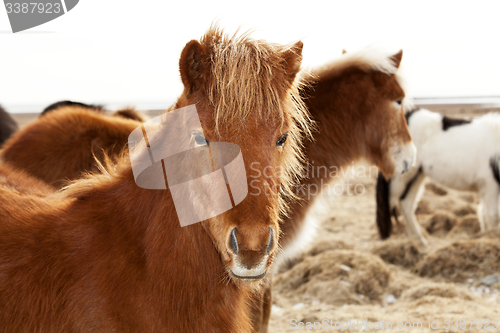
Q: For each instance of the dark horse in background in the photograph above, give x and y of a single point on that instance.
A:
(7, 126)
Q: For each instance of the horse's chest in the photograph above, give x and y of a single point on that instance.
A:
(450, 174)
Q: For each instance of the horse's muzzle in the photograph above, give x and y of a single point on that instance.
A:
(249, 264)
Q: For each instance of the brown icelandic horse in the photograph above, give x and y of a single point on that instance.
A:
(356, 102)
(105, 255)
(68, 140)
(7, 126)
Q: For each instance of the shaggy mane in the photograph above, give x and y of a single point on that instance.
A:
(244, 82)
(244, 79)
(368, 59)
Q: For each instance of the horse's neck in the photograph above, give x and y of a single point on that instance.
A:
(186, 278)
(335, 147)
(339, 141)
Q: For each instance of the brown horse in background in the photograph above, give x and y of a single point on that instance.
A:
(356, 102)
(128, 113)
(105, 255)
(68, 140)
(7, 126)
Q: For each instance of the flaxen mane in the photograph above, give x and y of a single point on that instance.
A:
(242, 86)
(367, 59)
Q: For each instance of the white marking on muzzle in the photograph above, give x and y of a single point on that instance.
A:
(254, 273)
(404, 157)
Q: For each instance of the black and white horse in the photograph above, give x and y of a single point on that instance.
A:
(458, 153)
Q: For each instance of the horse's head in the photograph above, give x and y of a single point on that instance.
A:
(379, 96)
(394, 151)
(246, 93)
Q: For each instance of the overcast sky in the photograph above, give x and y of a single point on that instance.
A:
(123, 52)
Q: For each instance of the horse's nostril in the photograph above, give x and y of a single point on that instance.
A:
(271, 241)
(233, 241)
(405, 166)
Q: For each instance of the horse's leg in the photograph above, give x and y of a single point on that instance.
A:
(488, 212)
(266, 309)
(408, 202)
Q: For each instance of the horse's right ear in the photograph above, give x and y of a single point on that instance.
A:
(192, 65)
(292, 60)
(396, 59)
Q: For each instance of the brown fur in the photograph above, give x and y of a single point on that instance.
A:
(23, 184)
(352, 100)
(107, 256)
(130, 113)
(64, 143)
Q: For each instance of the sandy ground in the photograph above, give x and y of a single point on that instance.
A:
(349, 274)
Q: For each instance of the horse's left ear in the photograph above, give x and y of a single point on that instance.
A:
(292, 59)
(396, 59)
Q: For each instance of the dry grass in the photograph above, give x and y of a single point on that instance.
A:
(461, 260)
(351, 274)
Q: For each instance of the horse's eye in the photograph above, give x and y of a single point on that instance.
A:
(200, 139)
(281, 140)
(400, 101)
